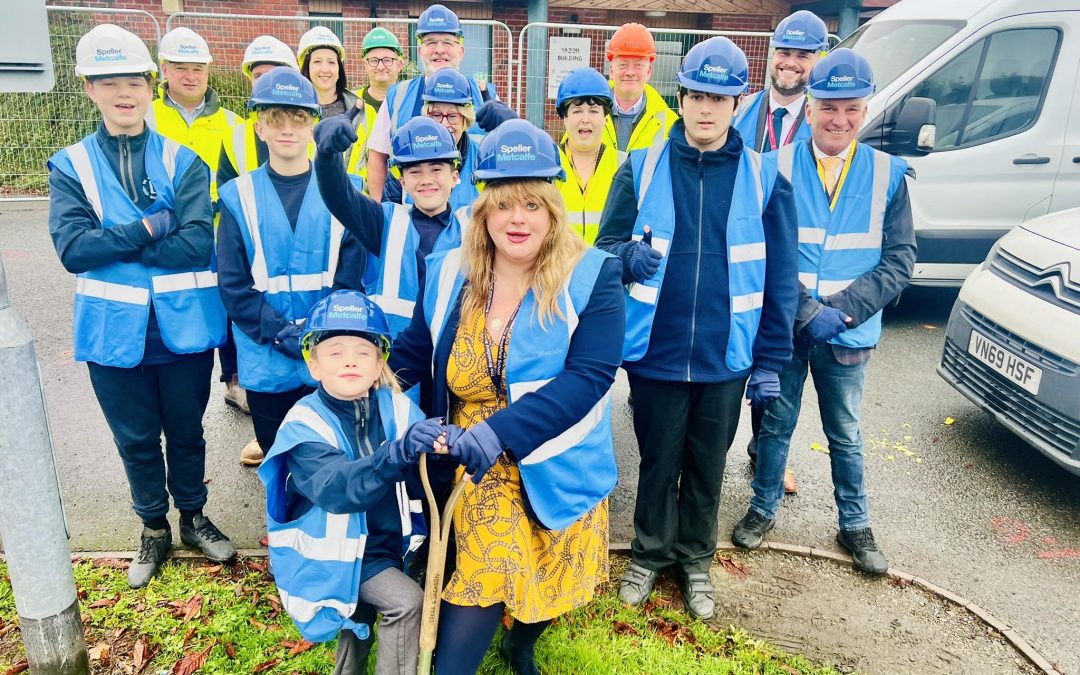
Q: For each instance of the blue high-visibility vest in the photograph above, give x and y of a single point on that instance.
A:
(838, 245)
(750, 117)
(746, 250)
(392, 279)
(112, 302)
(317, 558)
(569, 475)
(293, 270)
(401, 102)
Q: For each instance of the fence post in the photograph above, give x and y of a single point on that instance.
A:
(31, 516)
(535, 94)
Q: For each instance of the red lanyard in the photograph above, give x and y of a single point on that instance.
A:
(772, 132)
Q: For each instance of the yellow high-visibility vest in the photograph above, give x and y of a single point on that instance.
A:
(204, 136)
(584, 206)
(656, 119)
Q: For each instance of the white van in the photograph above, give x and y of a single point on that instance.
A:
(1003, 74)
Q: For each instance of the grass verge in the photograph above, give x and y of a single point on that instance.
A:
(227, 619)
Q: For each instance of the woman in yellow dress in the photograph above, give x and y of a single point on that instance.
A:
(516, 340)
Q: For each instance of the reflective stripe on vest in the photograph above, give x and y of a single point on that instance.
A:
(294, 269)
(318, 557)
(584, 208)
(567, 476)
(112, 302)
(746, 250)
(395, 280)
(837, 246)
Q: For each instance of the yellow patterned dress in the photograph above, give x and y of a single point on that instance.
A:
(502, 554)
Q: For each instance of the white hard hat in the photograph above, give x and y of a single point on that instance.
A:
(268, 49)
(319, 36)
(183, 45)
(107, 49)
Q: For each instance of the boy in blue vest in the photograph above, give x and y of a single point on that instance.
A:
(856, 253)
(130, 215)
(339, 516)
(399, 238)
(712, 292)
(279, 252)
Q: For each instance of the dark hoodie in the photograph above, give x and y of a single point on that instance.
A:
(690, 330)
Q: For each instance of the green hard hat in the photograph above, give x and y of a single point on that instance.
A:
(380, 37)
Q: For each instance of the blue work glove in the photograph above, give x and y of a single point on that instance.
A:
(644, 260)
(287, 341)
(477, 449)
(829, 323)
(162, 224)
(763, 387)
(492, 114)
(334, 135)
(420, 438)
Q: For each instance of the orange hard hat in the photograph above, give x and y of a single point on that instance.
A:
(632, 39)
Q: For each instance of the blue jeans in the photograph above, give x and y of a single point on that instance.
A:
(839, 389)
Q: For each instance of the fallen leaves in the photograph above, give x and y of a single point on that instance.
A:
(191, 663)
(265, 666)
(672, 631)
(298, 647)
(104, 602)
(818, 447)
(623, 628)
(949, 421)
(20, 667)
(734, 568)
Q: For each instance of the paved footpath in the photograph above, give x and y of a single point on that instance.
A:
(966, 505)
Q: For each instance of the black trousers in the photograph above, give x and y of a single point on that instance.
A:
(227, 355)
(756, 416)
(140, 404)
(268, 410)
(684, 430)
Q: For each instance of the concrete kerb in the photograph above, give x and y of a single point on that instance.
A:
(1019, 643)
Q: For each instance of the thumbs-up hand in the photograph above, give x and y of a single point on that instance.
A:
(644, 260)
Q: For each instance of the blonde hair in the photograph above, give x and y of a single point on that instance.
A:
(559, 252)
(386, 376)
(468, 112)
(275, 116)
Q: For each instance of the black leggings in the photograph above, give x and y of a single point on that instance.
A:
(465, 633)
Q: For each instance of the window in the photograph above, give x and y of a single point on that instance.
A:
(994, 88)
(893, 47)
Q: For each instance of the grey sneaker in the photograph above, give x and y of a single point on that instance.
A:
(203, 535)
(750, 531)
(864, 550)
(636, 584)
(153, 546)
(698, 594)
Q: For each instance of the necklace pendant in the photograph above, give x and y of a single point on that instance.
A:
(496, 324)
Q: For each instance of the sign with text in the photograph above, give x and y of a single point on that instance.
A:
(565, 54)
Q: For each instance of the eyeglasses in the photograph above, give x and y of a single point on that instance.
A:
(385, 61)
(444, 43)
(452, 118)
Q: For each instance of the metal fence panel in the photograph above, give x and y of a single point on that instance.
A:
(489, 46)
(34, 126)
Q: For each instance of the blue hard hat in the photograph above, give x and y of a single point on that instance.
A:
(802, 30)
(841, 74)
(715, 66)
(517, 149)
(346, 312)
(284, 86)
(437, 19)
(422, 139)
(582, 83)
(447, 86)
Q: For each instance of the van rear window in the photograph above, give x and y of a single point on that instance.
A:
(892, 47)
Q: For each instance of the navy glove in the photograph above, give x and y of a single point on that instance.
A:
(763, 387)
(335, 135)
(492, 114)
(161, 224)
(829, 323)
(420, 438)
(477, 449)
(287, 341)
(644, 260)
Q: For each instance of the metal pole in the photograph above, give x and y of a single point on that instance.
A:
(31, 515)
(536, 68)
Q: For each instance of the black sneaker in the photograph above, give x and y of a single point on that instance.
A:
(636, 584)
(153, 547)
(750, 531)
(864, 550)
(698, 594)
(204, 535)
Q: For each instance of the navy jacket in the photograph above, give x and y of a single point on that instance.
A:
(690, 330)
(595, 354)
(246, 306)
(83, 244)
(323, 475)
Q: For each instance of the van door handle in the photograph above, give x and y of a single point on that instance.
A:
(1031, 160)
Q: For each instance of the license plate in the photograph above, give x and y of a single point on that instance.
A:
(1004, 362)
